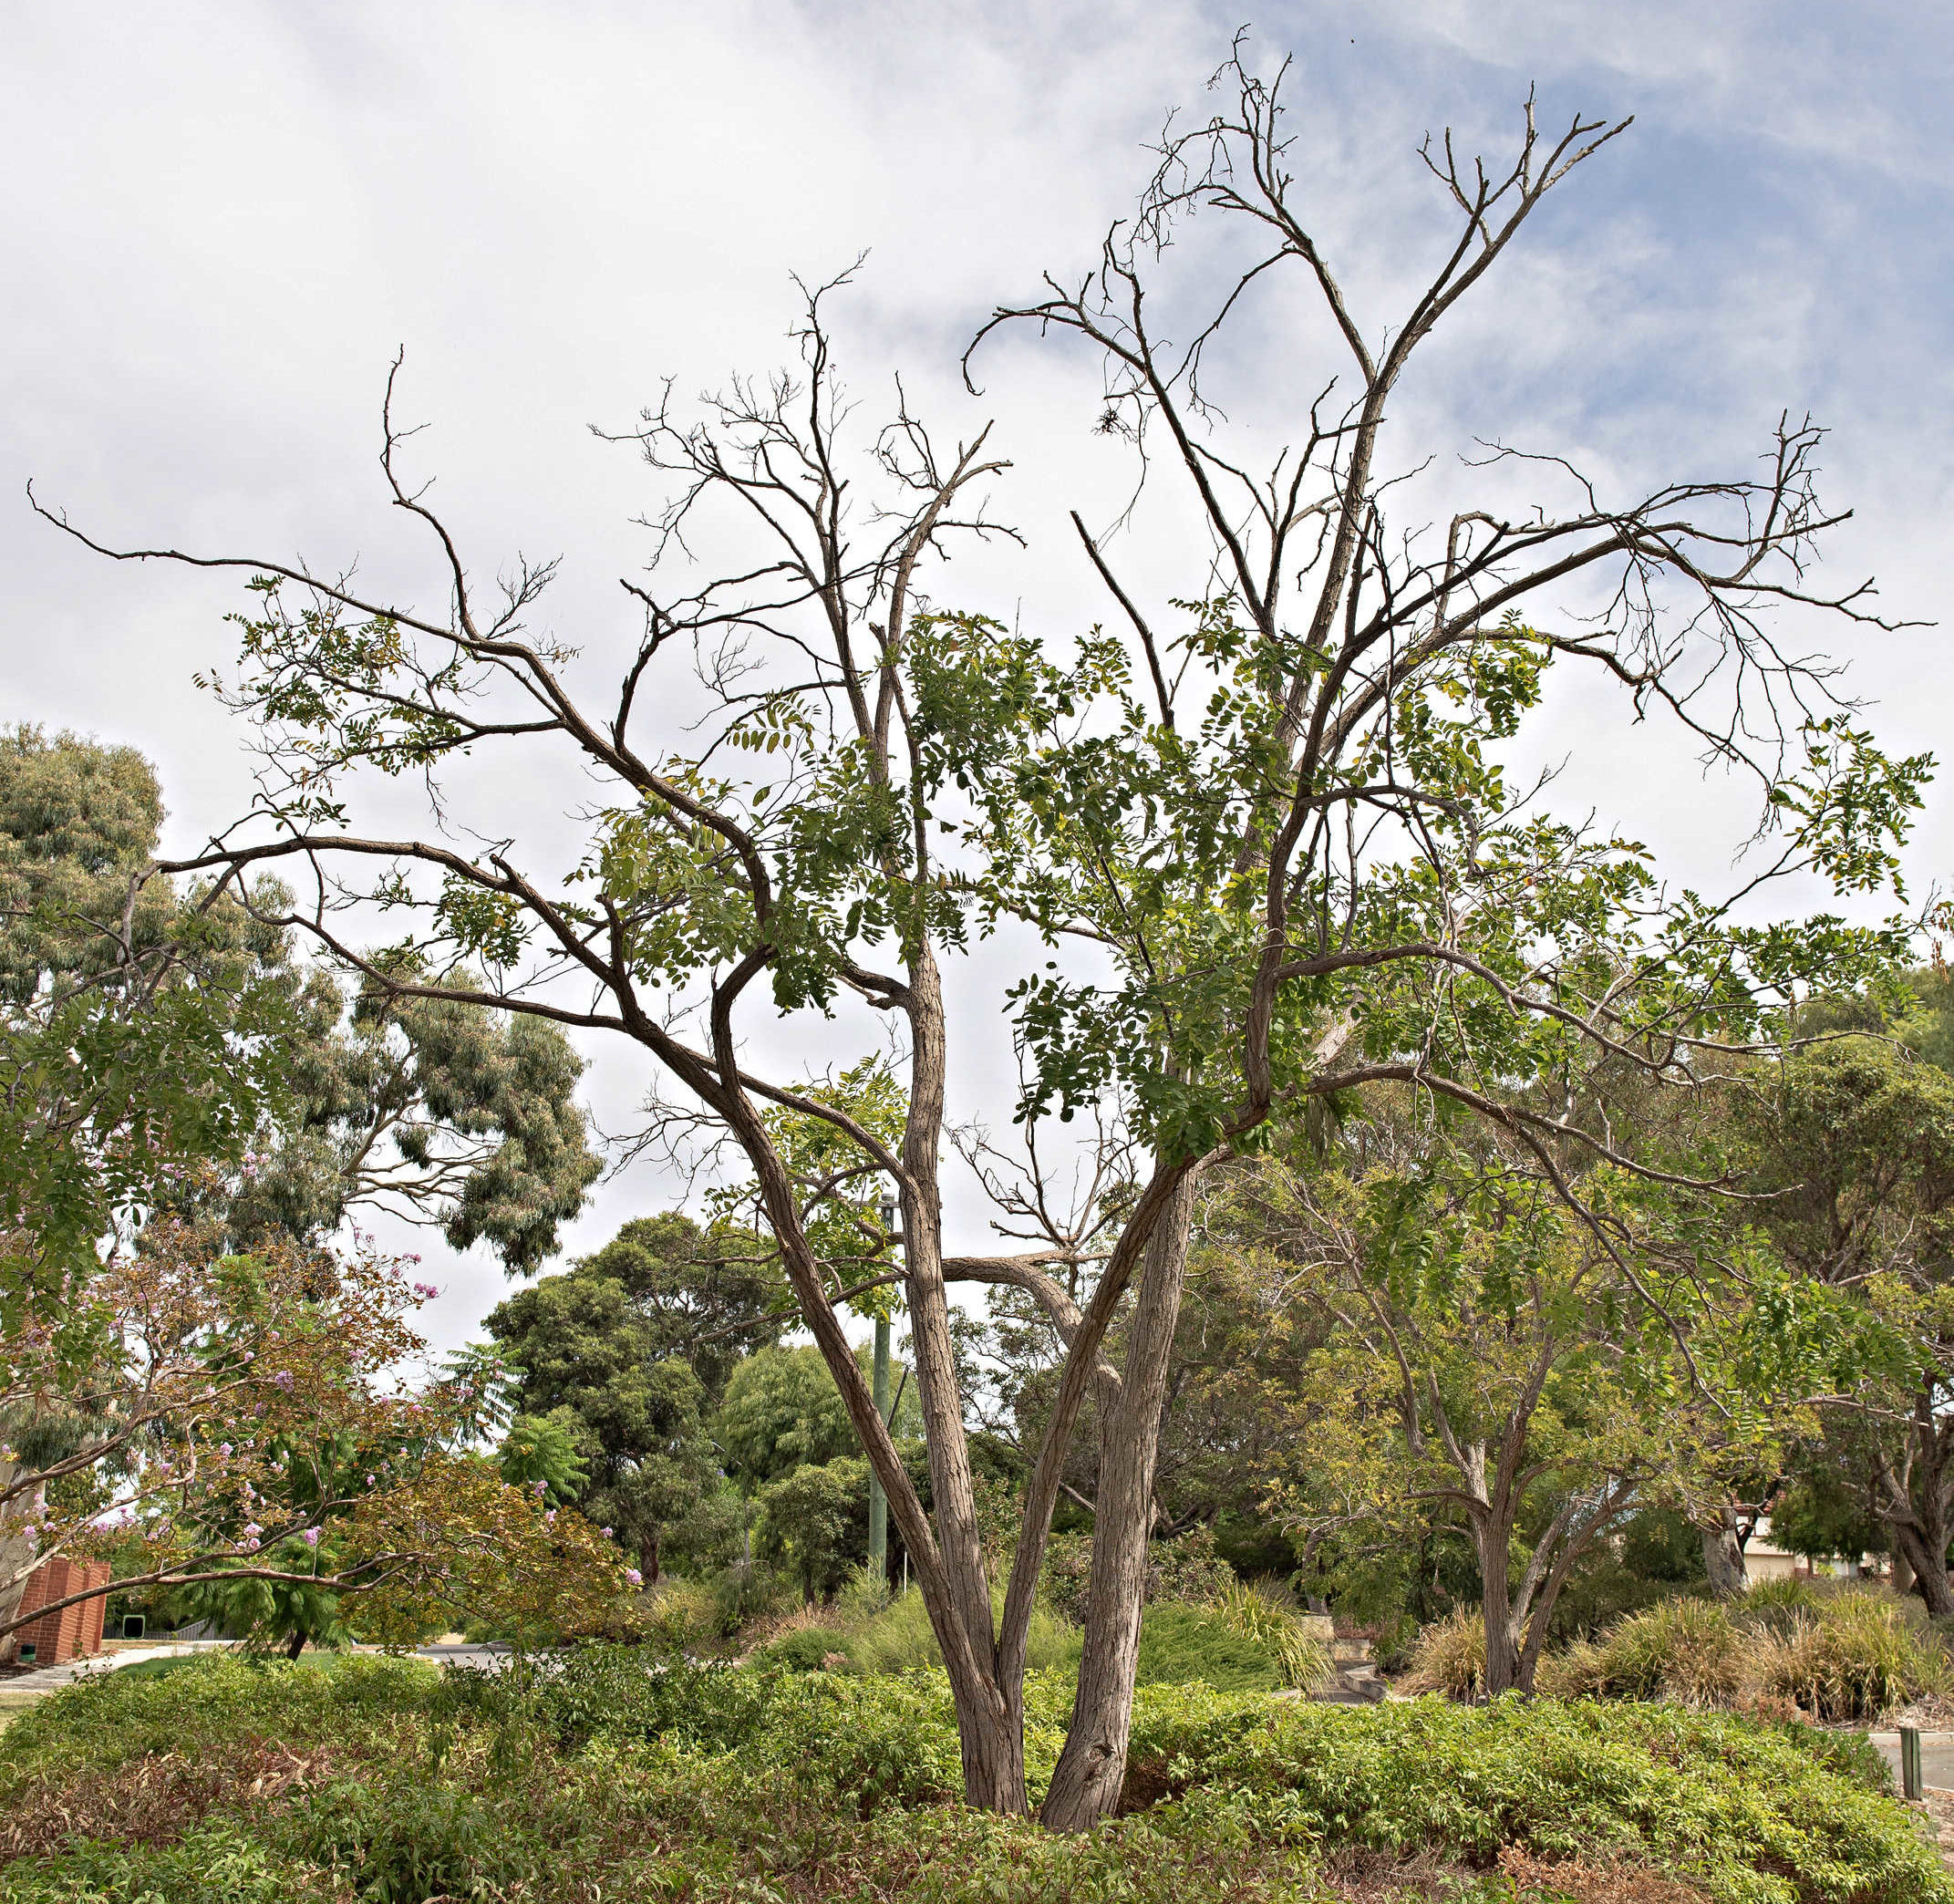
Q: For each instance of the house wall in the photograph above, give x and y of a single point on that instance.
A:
(63, 1633)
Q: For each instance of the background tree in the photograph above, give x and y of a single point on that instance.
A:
(1287, 843)
(1851, 1149)
(243, 1429)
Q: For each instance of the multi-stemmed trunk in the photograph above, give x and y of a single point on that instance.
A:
(1092, 1769)
(1915, 1500)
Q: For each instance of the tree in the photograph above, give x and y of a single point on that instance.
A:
(1850, 1144)
(233, 1417)
(589, 1364)
(1286, 843)
(710, 1295)
(814, 1518)
(433, 1110)
(1493, 1356)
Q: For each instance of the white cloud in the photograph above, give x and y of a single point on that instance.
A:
(222, 220)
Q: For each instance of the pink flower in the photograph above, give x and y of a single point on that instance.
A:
(605, 1531)
(634, 1576)
(312, 1537)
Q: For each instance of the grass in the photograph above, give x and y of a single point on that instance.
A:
(236, 1780)
(1842, 1657)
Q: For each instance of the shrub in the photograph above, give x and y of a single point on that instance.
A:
(681, 1615)
(1262, 1611)
(1855, 1659)
(1180, 1645)
(1687, 1651)
(406, 1841)
(1449, 1657)
(899, 1639)
(806, 1649)
(1774, 1605)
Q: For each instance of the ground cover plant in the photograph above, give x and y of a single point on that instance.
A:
(597, 1777)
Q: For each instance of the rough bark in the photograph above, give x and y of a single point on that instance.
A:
(1723, 1556)
(1926, 1556)
(1493, 1536)
(1092, 1769)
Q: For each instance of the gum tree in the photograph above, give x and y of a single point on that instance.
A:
(1276, 819)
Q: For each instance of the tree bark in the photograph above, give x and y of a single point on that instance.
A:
(1723, 1556)
(1926, 1556)
(296, 1646)
(1493, 1535)
(1092, 1769)
(989, 1713)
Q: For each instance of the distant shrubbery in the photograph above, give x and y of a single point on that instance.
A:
(1785, 1648)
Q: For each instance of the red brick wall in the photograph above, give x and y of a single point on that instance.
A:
(72, 1632)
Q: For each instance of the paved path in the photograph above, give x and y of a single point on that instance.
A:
(1936, 1757)
(22, 1689)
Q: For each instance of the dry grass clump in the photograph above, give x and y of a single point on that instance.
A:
(1449, 1657)
(1687, 1651)
(1855, 1660)
(1846, 1657)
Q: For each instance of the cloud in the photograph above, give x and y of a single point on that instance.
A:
(223, 221)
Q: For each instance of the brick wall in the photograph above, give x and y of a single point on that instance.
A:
(69, 1632)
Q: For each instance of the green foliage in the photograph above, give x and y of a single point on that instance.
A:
(603, 1777)
(607, 1353)
(815, 1522)
(1262, 1612)
(1182, 1644)
(781, 1411)
(899, 1639)
(808, 1649)
(540, 1451)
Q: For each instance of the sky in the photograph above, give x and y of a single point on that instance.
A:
(221, 221)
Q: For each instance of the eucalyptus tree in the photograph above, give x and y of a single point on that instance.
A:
(1276, 819)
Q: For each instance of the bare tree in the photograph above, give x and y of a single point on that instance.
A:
(873, 782)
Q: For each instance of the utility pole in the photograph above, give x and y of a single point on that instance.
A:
(878, 1500)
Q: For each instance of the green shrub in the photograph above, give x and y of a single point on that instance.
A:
(404, 1841)
(1181, 1645)
(900, 1639)
(1747, 1812)
(220, 1862)
(1262, 1611)
(715, 1784)
(111, 1718)
(806, 1649)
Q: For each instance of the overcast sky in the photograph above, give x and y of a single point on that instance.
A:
(222, 221)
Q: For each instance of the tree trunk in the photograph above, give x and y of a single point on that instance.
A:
(1493, 1539)
(1926, 1554)
(647, 1557)
(1723, 1556)
(296, 1645)
(1092, 1769)
(989, 1715)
